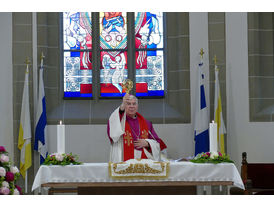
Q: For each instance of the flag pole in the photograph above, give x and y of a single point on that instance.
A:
(26, 182)
(41, 65)
(26, 176)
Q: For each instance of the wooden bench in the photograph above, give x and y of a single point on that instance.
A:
(258, 178)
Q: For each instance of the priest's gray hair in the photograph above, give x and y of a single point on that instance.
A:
(133, 97)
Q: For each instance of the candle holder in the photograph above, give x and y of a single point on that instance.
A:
(127, 85)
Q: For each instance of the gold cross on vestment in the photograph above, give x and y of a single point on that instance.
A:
(144, 134)
(128, 137)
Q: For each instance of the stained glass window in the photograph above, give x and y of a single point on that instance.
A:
(112, 50)
(77, 37)
(149, 54)
(113, 45)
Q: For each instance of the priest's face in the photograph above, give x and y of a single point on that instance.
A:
(131, 107)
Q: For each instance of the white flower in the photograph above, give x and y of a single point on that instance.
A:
(59, 157)
(2, 172)
(5, 184)
(213, 155)
(4, 190)
(14, 169)
(16, 192)
(4, 158)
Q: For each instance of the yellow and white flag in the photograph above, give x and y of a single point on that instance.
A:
(24, 137)
(218, 115)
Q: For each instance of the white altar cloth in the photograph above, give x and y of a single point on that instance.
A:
(99, 172)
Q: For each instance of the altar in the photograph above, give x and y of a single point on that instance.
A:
(75, 178)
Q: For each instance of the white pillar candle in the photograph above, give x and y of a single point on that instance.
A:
(60, 138)
(213, 144)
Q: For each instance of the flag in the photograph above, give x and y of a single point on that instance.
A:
(40, 143)
(24, 137)
(218, 116)
(201, 121)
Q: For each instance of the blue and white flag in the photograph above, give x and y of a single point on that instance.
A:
(201, 124)
(40, 143)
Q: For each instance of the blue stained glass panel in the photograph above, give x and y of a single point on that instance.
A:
(77, 45)
(113, 30)
(77, 30)
(148, 30)
(77, 81)
(150, 81)
(149, 54)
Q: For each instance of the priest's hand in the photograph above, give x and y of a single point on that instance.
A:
(125, 99)
(140, 143)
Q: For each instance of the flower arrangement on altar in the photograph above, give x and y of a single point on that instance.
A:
(8, 175)
(211, 157)
(61, 159)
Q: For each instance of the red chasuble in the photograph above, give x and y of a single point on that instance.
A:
(128, 139)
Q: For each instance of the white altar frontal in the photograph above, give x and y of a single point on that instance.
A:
(97, 175)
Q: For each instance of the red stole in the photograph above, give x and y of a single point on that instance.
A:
(128, 138)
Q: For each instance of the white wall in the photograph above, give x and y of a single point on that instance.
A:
(6, 123)
(255, 138)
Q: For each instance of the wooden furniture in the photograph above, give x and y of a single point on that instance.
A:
(258, 178)
(131, 188)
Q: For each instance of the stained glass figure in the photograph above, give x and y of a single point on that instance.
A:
(113, 30)
(149, 54)
(77, 35)
(113, 45)
(112, 73)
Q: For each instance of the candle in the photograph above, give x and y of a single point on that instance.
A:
(213, 137)
(60, 137)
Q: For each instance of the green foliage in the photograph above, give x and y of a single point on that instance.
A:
(211, 158)
(61, 159)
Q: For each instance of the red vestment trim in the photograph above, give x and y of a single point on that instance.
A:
(128, 138)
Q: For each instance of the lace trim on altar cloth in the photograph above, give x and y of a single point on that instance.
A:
(139, 169)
